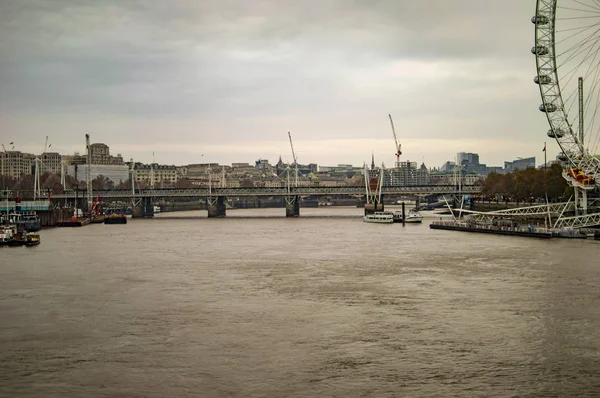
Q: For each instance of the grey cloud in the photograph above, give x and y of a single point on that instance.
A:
(255, 66)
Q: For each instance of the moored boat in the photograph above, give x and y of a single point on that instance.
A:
(97, 219)
(7, 234)
(74, 222)
(414, 217)
(380, 217)
(25, 239)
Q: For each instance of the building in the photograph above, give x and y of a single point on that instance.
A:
(448, 166)
(114, 172)
(51, 163)
(519, 164)
(155, 174)
(466, 159)
(406, 174)
(100, 154)
(16, 163)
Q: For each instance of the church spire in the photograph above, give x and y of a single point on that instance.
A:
(372, 161)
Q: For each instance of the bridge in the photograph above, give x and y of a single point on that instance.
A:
(267, 191)
(143, 199)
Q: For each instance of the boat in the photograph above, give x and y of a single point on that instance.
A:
(25, 239)
(98, 219)
(28, 221)
(7, 234)
(32, 239)
(380, 217)
(115, 219)
(414, 217)
(74, 222)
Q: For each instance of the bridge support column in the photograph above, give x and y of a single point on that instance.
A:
(371, 208)
(292, 206)
(216, 207)
(144, 208)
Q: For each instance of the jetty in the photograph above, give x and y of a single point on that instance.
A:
(503, 229)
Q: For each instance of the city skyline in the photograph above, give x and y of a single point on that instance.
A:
(208, 82)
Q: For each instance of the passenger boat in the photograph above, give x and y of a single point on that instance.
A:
(381, 217)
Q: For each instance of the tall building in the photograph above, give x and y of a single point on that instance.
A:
(406, 174)
(466, 159)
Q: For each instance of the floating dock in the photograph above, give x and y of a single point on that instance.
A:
(528, 232)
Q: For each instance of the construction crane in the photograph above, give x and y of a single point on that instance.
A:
(398, 146)
(295, 161)
(89, 171)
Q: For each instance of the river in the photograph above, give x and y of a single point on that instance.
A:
(324, 305)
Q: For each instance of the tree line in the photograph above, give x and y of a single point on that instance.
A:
(527, 185)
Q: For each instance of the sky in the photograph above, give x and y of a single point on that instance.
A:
(196, 81)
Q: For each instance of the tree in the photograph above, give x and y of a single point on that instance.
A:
(102, 182)
(522, 185)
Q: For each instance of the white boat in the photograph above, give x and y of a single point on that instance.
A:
(381, 217)
(7, 234)
(413, 216)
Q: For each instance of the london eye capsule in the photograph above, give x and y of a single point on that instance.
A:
(548, 108)
(557, 133)
(540, 20)
(540, 50)
(542, 79)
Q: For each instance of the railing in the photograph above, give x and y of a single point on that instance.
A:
(26, 205)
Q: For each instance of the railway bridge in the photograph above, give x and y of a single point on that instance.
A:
(143, 199)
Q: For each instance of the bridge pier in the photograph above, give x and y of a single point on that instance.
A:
(144, 209)
(216, 207)
(371, 208)
(292, 206)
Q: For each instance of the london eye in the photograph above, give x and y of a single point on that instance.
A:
(567, 51)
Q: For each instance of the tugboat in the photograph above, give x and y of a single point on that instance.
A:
(25, 239)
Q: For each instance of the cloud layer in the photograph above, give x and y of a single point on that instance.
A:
(228, 79)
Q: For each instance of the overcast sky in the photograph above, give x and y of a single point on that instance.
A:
(224, 80)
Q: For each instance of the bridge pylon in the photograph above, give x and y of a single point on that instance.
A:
(373, 188)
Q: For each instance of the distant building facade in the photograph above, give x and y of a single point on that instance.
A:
(519, 164)
(16, 163)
